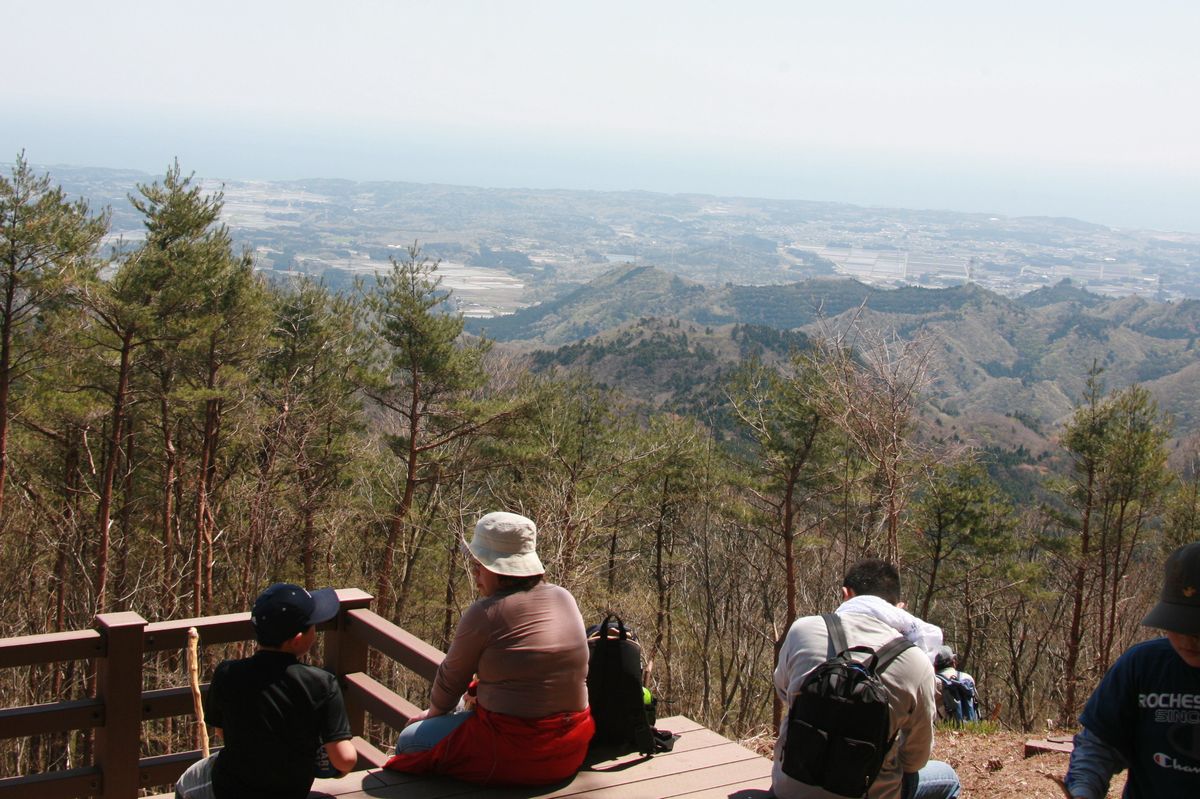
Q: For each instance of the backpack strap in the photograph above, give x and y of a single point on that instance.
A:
(890, 651)
(608, 624)
(883, 656)
(837, 634)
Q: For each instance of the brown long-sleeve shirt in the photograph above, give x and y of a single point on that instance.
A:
(529, 649)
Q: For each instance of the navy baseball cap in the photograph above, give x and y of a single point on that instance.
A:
(1178, 608)
(285, 609)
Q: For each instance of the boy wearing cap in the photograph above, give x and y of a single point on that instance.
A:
(275, 712)
(1145, 714)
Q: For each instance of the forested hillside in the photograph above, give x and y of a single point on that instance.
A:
(992, 360)
(628, 292)
(176, 432)
(673, 366)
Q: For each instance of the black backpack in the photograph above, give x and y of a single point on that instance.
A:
(839, 725)
(624, 716)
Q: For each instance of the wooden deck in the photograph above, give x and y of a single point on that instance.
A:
(703, 765)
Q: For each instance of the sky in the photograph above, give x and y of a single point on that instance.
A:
(1081, 108)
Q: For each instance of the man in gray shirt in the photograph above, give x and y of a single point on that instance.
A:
(870, 617)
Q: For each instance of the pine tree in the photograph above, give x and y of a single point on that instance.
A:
(1118, 480)
(424, 377)
(183, 297)
(46, 242)
(790, 454)
(310, 413)
(961, 521)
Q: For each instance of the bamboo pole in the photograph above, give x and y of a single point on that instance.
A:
(193, 661)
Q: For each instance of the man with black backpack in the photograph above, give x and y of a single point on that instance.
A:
(859, 691)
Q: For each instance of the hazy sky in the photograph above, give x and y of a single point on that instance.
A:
(1088, 109)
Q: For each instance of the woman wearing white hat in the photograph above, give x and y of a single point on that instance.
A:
(523, 642)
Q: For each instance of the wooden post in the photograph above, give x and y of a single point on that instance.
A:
(119, 687)
(345, 653)
(193, 664)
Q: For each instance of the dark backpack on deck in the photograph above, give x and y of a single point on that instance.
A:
(839, 725)
(624, 718)
(958, 700)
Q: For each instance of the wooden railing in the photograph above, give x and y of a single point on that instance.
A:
(119, 643)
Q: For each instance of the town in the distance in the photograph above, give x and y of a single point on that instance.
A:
(503, 249)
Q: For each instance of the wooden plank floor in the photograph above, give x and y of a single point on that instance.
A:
(703, 765)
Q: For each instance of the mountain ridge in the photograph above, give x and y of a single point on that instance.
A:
(993, 358)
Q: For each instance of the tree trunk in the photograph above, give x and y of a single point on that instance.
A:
(202, 568)
(613, 539)
(170, 469)
(448, 616)
(104, 514)
(399, 518)
(71, 490)
(121, 574)
(660, 578)
(664, 550)
(1078, 589)
(788, 532)
(934, 567)
(5, 381)
(256, 535)
(310, 546)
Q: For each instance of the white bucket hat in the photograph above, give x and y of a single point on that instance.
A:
(506, 543)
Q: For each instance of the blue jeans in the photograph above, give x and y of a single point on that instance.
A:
(936, 781)
(196, 782)
(425, 734)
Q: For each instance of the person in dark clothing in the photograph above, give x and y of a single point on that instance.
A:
(275, 713)
(1145, 714)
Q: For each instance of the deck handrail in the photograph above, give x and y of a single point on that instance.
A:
(118, 645)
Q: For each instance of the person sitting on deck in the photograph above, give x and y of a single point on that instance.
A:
(523, 642)
(277, 715)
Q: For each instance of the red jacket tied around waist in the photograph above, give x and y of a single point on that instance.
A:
(497, 749)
